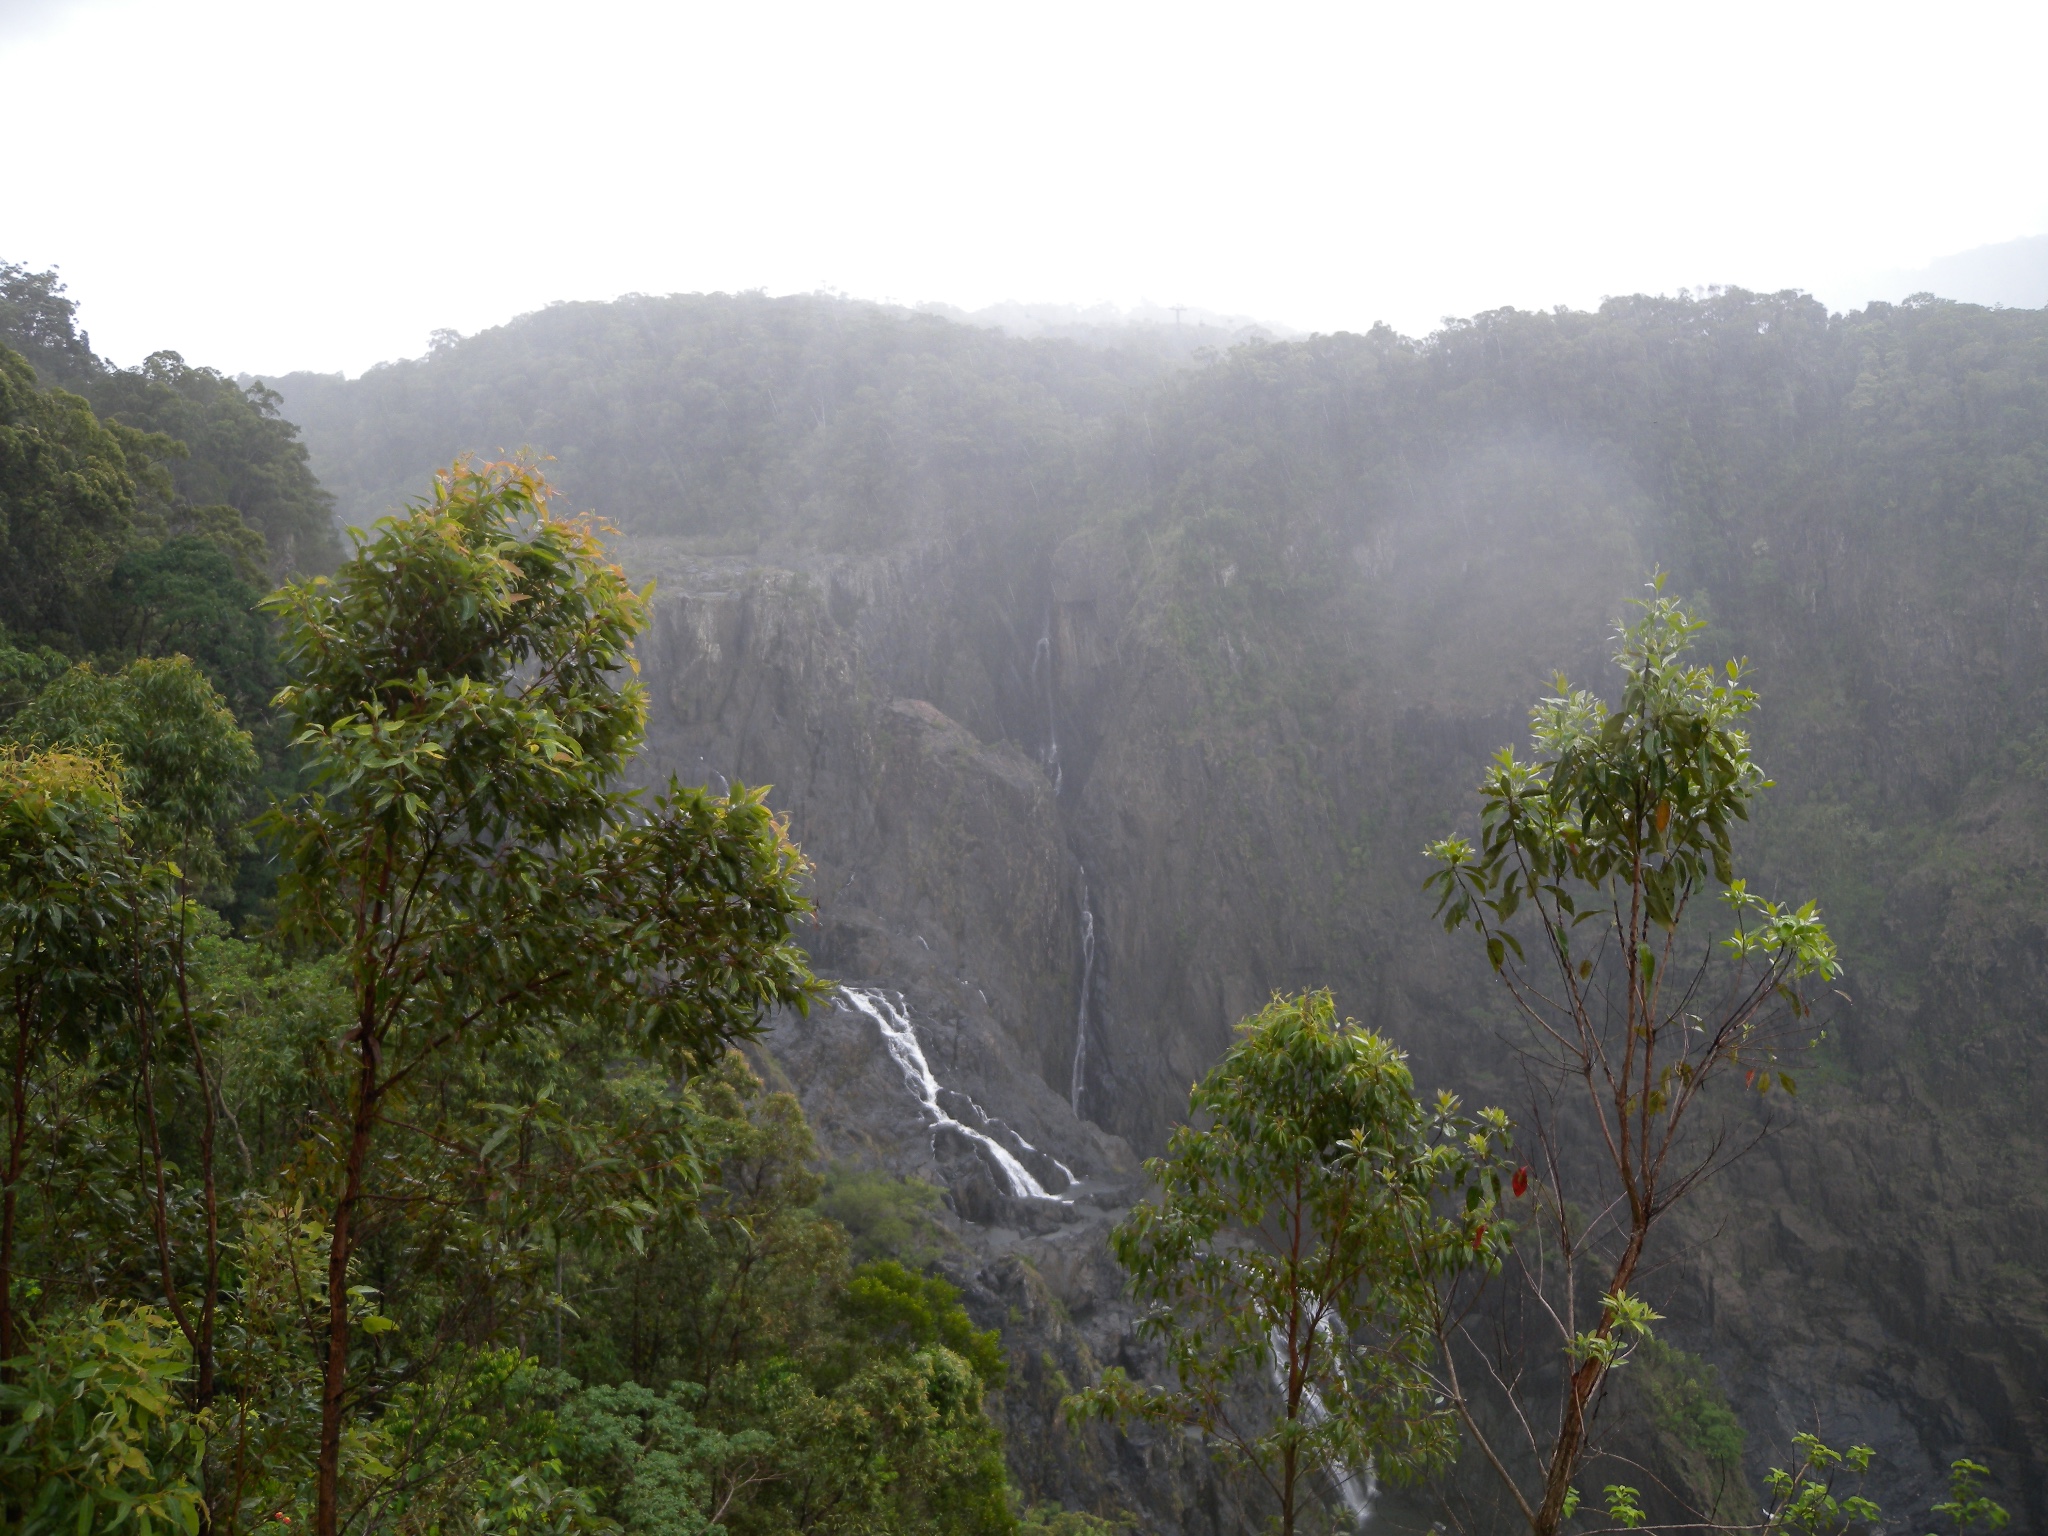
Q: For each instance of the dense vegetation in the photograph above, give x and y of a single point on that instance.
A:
(1330, 575)
(228, 448)
(147, 509)
(743, 423)
(381, 1209)
(291, 1214)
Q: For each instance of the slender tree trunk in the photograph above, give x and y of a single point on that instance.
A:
(1586, 1377)
(241, 1460)
(1584, 1382)
(17, 1140)
(209, 1300)
(327, 1514)
(209, 1294)
(159, 1212)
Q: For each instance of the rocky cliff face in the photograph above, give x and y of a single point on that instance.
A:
(1107, 704)
(951, 907)
(1039, 808)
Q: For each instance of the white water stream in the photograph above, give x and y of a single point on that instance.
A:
(900, 1040)
(1357, 1490)
(1081, 1017)
(1041, 656)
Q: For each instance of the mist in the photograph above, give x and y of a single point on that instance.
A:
(361, 176)
(1041, 521)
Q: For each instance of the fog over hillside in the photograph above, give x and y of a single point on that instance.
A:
(1179, 329)
(1110, 683)
(2011, 274)
(1023, 769)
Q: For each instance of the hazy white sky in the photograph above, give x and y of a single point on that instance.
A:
(277, 184)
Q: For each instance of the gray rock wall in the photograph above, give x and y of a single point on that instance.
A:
(968, 752)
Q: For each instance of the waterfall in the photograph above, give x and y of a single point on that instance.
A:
(1041, 656)
(900, 1040)
(1087, 976)
(1357, 1491)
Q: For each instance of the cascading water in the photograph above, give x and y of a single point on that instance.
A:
(1356, 1490)
(1081, 1016)
(900, 1040)
(1041, 657)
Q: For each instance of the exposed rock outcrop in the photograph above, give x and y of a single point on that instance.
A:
(1236, 815)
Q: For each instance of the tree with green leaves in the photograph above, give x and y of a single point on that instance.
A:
(68, 502)
(184, 762)
(38, 320)
(214, 445)
(70, 888)
(1294, 1263)
(1810, 1500)
(101, 1440)
(1967, 1504)
(185, 768)
(1593, 861)
(188, 596)
(235, 451)
(456, 688)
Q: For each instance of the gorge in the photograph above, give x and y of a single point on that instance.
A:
(1109, 695)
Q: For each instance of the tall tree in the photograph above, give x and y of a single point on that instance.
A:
(238, 452)
(41, 322)
(68, 502)
(1293, 1262)
(1597, 852)
(188, 596)
(224, 443)
(183, 762)
(184, 768)
(456, 689)
(69, 886)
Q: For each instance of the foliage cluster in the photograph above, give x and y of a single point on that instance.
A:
(735, 420)
(221, 460)
(142, 513)
(447, 1205)
(1685, 1395)
(1294, 1263)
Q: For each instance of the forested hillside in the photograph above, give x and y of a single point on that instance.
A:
(446, 1091)
(294, 1189)
(148, 510)
(214, 444)
(1259, 624)
(740, 422)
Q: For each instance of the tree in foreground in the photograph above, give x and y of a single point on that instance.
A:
(1586, 885)
(70, 887)
(1294, 1261)
(184, 767)
(746, 1376)
(455, 688)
